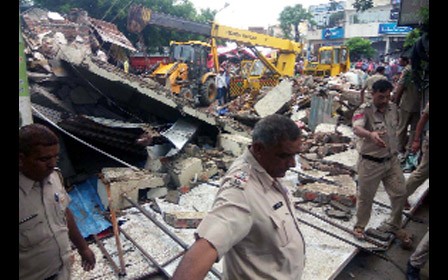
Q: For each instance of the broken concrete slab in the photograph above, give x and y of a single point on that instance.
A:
(275, 99)
(125, 180)
(235, 144)
(185, 170)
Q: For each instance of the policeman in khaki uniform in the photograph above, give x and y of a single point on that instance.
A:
(376, 125)
(46, 224)
(408, 98)
(419, 175)
(252, 223)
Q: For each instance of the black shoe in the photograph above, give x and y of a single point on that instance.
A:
(412, 272)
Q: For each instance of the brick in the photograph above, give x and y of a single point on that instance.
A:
(184, 189)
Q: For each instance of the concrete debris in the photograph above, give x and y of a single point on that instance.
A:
(235, 144)
(184, 170)
(125, 180)
(183, 219)
(338, 214)
(275, 99)
(185, 149)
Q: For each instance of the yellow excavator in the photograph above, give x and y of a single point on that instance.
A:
(191, 70)
(331, 61)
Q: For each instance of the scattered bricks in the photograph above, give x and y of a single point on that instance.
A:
(183, 219)
(347, 200)
(322, 198)
(338, 214)
(233, 143)
(380, 235)
(173, 196)
(185, 170)
(322, 151)
(184, 189)
(309, 196)
(335, 148)
(339, 206)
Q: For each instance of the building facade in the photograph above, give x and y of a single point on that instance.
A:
(378, 24)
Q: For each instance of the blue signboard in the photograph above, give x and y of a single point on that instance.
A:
(332, 33)
(392, 28)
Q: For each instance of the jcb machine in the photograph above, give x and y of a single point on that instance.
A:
(186, 73)
(201, 83)
(331, 61)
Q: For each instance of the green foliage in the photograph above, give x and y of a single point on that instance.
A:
(360, 48)
(336, 19)
(416, 33)
(290, 18)
(362, 5)
(411, 38)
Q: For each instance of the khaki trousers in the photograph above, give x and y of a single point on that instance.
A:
(405, 119)
(370, 174)
(421, 253)
(419, 175)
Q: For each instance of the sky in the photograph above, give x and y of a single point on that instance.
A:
(245, 13)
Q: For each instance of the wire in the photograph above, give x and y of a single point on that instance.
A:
(108, 10)
(84, 142)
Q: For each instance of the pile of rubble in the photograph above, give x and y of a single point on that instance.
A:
(74, 89)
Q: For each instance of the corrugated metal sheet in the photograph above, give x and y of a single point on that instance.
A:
(110, 33)
(321, 109)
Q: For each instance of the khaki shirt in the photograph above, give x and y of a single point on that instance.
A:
(368, 117)
(44, 244)
(369, 82)
(253, 225)
(410, 99)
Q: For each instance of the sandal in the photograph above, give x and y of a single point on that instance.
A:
(358, 232)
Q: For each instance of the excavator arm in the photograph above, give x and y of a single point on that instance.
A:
(139, 17)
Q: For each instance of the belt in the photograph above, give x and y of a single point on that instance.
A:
(375, 159)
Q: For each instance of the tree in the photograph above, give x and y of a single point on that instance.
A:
(336, 19)
(362, 5)
(417, 32)
(292, 16)
(360, 48)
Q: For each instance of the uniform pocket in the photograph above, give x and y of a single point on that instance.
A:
(280, 230)
(32, 233)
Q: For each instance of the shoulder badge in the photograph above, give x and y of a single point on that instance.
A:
(236, 180)
(61, 178)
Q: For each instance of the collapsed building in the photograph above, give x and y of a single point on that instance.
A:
(154, 159)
